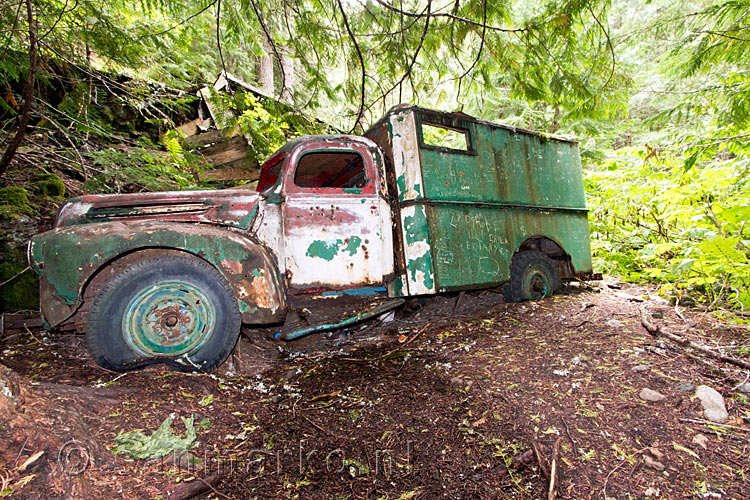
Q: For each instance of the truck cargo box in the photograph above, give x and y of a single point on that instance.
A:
(469, 194)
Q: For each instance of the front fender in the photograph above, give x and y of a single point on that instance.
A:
(67, 258)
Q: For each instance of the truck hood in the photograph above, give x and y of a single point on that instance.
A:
(227, 207)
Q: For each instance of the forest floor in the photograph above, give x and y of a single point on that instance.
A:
(473, 401)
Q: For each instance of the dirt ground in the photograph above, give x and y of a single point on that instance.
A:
(455, 400)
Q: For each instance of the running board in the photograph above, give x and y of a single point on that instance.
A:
(377, 310)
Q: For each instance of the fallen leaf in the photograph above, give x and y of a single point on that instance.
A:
(656, 453)
(479, 422)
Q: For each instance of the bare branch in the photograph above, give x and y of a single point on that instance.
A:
(218, 35)
(361, 64)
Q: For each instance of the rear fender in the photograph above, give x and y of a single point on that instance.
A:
(67, 259)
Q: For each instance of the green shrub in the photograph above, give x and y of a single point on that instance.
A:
(653, 220)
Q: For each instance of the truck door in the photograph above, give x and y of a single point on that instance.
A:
(332, 227)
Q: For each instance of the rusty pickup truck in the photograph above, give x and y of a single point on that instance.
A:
(339, 229)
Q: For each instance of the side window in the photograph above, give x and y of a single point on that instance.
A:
(445, 137)
(331, 169)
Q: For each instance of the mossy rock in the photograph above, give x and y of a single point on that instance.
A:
(49, 186)
(22, 293)
(14, 201)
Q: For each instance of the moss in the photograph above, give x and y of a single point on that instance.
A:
(14, 200)
(49, 186)
(22, 293)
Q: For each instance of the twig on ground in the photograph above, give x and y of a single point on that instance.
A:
(32, 335)
(552, 490)
(321, 429)
(540, 459)
(383, 356)
(677, 310)
(655, 330)
(708, 422)
(623, 462)
(192, 489)
(567, 431)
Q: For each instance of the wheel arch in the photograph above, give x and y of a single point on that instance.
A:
(95, 253)
(552, 249)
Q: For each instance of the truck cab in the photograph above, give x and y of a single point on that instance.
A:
(326, 214)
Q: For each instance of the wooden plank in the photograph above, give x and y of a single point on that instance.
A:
(192, 127)
(219, 117)
(210, 137)
(226, 151)
(11, 323)
(237, 170)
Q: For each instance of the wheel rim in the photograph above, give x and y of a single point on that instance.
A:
(168, 319)
(536, 284)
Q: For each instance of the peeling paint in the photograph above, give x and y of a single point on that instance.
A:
(328, 249)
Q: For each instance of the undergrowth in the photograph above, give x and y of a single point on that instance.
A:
(657, 219)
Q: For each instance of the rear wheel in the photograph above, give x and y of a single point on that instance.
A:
(532, 276)
(173, 309)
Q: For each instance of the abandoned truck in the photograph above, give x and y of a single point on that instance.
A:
(339, 229)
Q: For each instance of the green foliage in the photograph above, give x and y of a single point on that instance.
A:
(160, 443)
(653, 220)
(138, 169)
(266, 125)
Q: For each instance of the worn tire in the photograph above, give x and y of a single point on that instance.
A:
(532, 276)
(177, 310)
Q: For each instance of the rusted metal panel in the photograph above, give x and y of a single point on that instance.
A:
(228, 207)
(333, 234)
(67, 258)
(419, 275)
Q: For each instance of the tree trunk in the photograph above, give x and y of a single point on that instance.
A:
(265, 69)
(28, 95)
(287, 67)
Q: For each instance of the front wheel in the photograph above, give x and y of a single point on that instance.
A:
(532, 276)
(173, 309)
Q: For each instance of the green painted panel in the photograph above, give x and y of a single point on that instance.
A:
(473, 245)
(509, 167)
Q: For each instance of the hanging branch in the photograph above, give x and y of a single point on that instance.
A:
(611, 50)
(273, 45)
(361, 64)
(407, 74)
(479, 52)
(218, 35)
(28, 94)
(454, 18)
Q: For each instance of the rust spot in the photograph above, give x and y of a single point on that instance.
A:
(260, 295)
(232, 265)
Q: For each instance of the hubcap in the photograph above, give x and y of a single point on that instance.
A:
(168, 319)
(536, 284)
